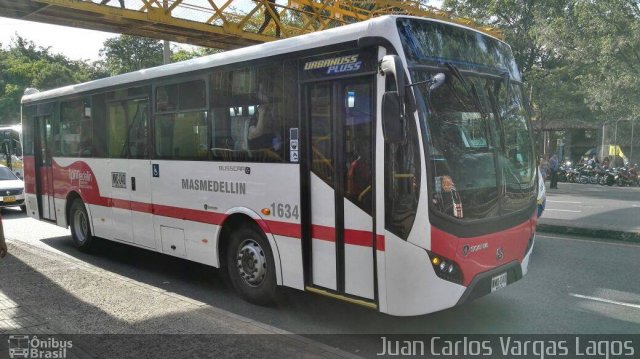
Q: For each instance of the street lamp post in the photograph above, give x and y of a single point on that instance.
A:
(604, 125)
(631, 152)
(602, 147)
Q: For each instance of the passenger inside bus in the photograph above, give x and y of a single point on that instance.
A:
(263, 134)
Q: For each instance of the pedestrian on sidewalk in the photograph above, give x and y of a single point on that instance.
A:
(553, 167)
(3, 244)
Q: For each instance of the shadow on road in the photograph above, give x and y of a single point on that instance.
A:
(12, 212)
(507, 311)
(40, 298)
(537, 304)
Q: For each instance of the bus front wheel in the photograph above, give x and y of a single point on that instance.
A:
(251, 266)
(80, 227)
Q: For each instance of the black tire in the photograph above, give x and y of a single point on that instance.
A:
(250, 265)
(23, 208)
(80, 226)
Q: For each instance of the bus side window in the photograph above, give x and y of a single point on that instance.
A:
(247, 113)
(75, 128)
(182, 121)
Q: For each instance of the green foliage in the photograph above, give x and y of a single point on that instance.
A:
(23, 64)
(603, 39)
(184, 54)
(128, 53)
(580, 58)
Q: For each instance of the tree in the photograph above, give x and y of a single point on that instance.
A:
(128, 53)
(24, 65)
(603, 39)
(178, 54)
(552, 75)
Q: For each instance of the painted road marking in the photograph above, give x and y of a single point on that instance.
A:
(552, 201)
(603, 300)
(561, 210)
(609, 242)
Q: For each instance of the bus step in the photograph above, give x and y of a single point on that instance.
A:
(326, 293)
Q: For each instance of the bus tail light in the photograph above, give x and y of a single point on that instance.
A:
(445, 268)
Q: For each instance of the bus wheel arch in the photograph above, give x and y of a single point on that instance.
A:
(254, 235)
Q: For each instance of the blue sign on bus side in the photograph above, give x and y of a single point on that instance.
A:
(156, 170)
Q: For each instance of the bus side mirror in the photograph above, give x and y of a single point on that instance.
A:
(392, 117)
(392, 65)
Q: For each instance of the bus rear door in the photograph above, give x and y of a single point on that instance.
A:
(44, 168)
(131, 173)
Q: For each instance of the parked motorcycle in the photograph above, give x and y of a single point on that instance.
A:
(627, 176)
(586, 175)
(606, 176)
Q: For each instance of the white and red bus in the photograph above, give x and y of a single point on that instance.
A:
(388, 163)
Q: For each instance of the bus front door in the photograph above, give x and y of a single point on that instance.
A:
(44, 169)
(338, 167)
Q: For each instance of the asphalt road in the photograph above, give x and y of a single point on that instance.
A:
(574, 286)
(589, 205)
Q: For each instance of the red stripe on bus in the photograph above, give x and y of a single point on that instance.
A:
(323, 233)
(358, 238)
(284, 228)
(188, 214)
(380, 242)
(91, 195)
(351, 236)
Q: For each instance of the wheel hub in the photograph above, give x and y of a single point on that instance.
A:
(251, 262)
(81, 226)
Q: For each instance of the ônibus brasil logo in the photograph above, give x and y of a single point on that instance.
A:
(25, 346)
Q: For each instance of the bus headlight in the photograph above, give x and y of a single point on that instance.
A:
(446, 268)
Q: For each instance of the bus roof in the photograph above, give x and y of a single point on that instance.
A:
(373, 27)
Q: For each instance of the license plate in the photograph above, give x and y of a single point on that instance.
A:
(8, 199)
(498, 282)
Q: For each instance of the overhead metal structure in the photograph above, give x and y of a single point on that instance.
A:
(224, 24)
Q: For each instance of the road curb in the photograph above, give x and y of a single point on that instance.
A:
(592, 233)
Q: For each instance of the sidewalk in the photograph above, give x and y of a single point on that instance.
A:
(602, 212)
(111, 316)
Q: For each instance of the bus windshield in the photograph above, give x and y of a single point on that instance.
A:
(479, 149)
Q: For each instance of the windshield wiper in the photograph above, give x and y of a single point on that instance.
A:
(470, 88)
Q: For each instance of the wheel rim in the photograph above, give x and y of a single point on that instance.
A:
(80, 226)
(251, 262)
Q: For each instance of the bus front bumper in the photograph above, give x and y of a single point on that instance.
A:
(481, 284)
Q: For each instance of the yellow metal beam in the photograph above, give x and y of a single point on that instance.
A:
(222, 24)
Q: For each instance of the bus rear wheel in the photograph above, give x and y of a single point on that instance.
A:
(250, 266)
(80, 227)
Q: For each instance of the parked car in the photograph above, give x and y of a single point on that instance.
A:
(11, 189)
